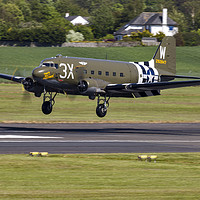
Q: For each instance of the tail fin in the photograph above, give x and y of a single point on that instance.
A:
(165, 57)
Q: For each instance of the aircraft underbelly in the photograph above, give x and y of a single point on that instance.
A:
(57, 85)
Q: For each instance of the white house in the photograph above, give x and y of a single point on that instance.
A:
(152, 21)
(77, 20)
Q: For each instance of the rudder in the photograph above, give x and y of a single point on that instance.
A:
(165, 57)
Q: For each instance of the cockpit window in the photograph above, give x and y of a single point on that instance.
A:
(50, 65)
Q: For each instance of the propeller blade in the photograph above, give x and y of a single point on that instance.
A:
(70, 97)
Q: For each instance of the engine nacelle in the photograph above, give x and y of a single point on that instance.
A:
(89, 87)
(28, 84)
(31, 86)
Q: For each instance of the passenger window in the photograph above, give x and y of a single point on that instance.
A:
(107, 73)
(85, 71)
(99, 72)
(114, 73)
(92, 71)
(121, 74)
(56, 65)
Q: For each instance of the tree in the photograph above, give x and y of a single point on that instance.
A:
(3, 29)
(68, 6)
(102, 21)
(191, 10)
(132, 9)
(42, 10)
(179, 17)
(10, 13)
(85, 30)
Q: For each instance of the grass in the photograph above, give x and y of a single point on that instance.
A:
(176, 105)
(100, 176)
(27, 58)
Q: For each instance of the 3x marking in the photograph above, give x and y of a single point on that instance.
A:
(67, 67)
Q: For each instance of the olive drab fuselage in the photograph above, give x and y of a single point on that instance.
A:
(100, 73)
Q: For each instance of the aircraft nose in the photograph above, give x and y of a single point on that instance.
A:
(38, 73)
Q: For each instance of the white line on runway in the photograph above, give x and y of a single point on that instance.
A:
(26, 137)
(95, 141)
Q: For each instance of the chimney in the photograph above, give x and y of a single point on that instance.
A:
(164, 22)
(164, 16)
(66, 15)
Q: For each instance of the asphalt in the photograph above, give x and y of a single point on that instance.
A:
(99, 138)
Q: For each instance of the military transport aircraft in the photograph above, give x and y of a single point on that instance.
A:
(103, 79)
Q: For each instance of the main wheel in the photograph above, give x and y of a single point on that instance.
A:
(101, 110)
(47, 107)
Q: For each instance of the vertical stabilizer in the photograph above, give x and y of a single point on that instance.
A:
(165, 56)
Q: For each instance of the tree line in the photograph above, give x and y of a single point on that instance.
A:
(43, 20)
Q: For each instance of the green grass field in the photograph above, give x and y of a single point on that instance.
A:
(176, 105)
(25, 58)
(100, 176)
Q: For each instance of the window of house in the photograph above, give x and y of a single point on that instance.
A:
(99, 72)
(171, 28)
(92, 71)
(107, 73)
(114, 73)
(121, 74)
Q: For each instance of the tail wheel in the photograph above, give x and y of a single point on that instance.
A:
(101, 110)
(47, 107)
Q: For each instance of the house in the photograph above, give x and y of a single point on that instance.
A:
(77, 20)
(153, 21)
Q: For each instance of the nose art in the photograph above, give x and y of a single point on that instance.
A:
(38, 73)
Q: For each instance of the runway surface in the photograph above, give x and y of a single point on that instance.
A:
(99, 138)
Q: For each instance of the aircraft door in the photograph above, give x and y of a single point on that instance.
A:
(134, 76)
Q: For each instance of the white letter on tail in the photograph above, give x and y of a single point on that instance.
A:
(162, 52)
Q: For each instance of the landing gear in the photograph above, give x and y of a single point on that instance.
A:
(101, 109)
(47, 106)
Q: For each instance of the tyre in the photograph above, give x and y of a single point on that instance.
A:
(47, 107)
(101, 110)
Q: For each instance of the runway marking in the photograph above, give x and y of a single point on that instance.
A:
(28, 131)
(93, 141)
(26, 137)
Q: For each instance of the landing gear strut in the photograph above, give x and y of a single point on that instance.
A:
(102, 106)
(47, 105)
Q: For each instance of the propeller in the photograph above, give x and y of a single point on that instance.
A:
(70, 96)
(26, 96)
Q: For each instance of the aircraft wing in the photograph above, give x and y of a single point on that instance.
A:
(131, 87)
(12, 78)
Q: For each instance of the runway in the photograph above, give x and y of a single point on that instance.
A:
(99, 138)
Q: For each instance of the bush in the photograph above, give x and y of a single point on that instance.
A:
(137, 36)
(160, 35)
(191, 38)
(179, 39)
(109, 37)
(85, 30)
(41, 35)
(74, 36)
